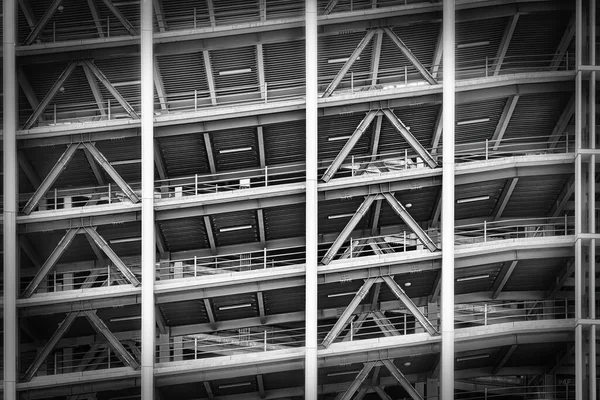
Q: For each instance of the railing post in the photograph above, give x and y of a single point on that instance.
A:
(405, 158)
(195, 348)
(55, 198)
(266, 93)
(108, 26)
(265, 339)
(352, 167)
(405, 75)
(108, 275)
(196, 184)
(265, 258)
(487, 146)
(567, 61)
(351, 248)
(404, 240)
(484, 231)
(109, 194)
(195, 99)
(352, 82)
(566, 229)
(352, 329)
(54, 31)
(195, 18)
(195, 266)
(54, 108)
(485, 314)
(108, 105)
(266, 176)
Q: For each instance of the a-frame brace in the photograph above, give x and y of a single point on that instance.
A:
(346, 315)
(360, 213)
(58, 251)
(60, 166)
(361, 129)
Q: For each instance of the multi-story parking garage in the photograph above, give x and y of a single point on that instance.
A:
(169, 234)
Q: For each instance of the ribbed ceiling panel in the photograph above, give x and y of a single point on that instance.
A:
(284, 65)
(420, 39)
(341, 47)
(283, 300)
(180, 14)
(534, 196)
(479, 131)
(475, 41)
(421, 284)
(284, 9)
(182, 74)
(184, 155)
(285, 142)
(482, 208)
(184, 234)
(334, 126)
(535, 274)
(229, 12)
(284, 221)
(421, 121)
(477, 285)
(240, 299)
(536, 115)
(227, 60)
(73, 21)
(184, 312)
(535, 40)
(234, 139)
(345, 6)
(231, 220)
(422, 203)
(336, 207)
(129, 9)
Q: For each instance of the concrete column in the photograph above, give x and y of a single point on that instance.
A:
(9, 9)
(310, 362)
(593, 384)
(148, 226)
(447, 289)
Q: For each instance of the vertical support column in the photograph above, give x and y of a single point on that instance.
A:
(148, 226)
(578, 199)
(10, 198)
(310, 361)
(592, 202)
(447, 306)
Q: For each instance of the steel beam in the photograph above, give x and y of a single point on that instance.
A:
(210, 77)
(437, 131)
(89, 356)
(159, 85)
(260, 62)
(56, 336)
(376, 57)
(409, 54)
(209, 234)
(28, 91)
(209, 313)
(348, 64)
(160, 15)
(124, 269)
(208, 390)
(399, 376)
(384, 324)
(211, 13)
(347, 313)
(360, 378)
(96, 16)
(503, 277)
(563, 46)
(29, 170)
(109, 86)
(261, 307)
(39, 27)
(114, 343)
(410, 222)
(159, 162)
(30, 251)
(563, 198)
(505, 354)
(561, 124)
(437, 55)
(382, 394)
(262, 155)
(410, 139)
(354, 138)
(507, 192)
(329, 7)
(49, 180)
(356, 325)
(565, 274)
(260, 219)
(50, 262)
(110, 170)
(132, 31)
(209, 153)
(50, 95)
(414, 310)
(506, 39)
(335, 246)
(507, 113)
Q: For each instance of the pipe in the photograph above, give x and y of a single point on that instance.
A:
(148, 226)
(10, 197)
(310, 361)
(447, 286)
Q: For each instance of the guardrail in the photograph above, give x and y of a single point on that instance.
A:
(354, 247)
(290, 89)
(369, 325)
